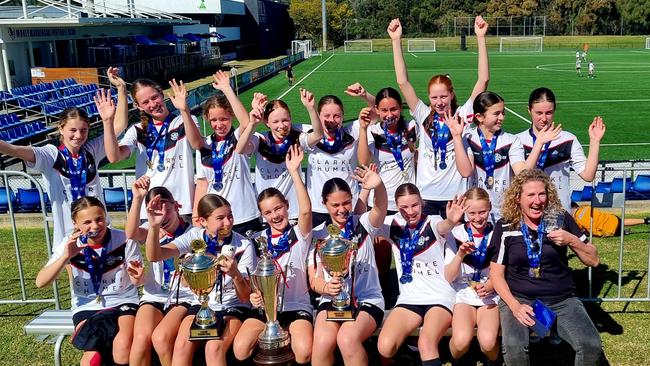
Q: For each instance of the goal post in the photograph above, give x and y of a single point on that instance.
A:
(304, 46)
(421, 45)
(521, 44)
(358, 46)
(647, 43)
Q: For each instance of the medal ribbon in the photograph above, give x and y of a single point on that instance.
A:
(157, 139)
(335, 146)
(219, 156)
(439, 136)
(213, 246)
(282, 245)
(96, 268)
(488, 153)
(168, 264)
(349, 228)
(78, 172)
(542, 157)
(534, 256)
(477, 257)
(407, 245)
(280, 149)
(394, 143)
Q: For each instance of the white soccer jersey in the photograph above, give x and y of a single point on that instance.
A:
(578, 64)
(154, 278)
(435, 183)
(591, 67)
(237, 186)
(271, 169)
(244, 254)
(178, 175)
(429, 286)
(387, 166)
(51, 162)
(116, 287)
(564, 152)
(366, 281)
(293, 262)
(464, 293)
(508, 151)
(340, 163)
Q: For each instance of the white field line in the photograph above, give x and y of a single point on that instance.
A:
(518, 115)
(414, 55)
(305, 77)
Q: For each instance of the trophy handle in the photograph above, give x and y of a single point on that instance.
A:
(284, 286)
(353, 257)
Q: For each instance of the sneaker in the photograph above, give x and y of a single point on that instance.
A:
(646, 220)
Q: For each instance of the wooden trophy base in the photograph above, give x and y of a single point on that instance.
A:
(345, 315)
(198, 333)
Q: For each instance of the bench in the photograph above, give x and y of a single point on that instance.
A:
(55, 323)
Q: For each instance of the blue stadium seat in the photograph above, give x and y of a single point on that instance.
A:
(642, 184)
(617, 185)
(576, 196)
(587, 193)
(114, 198)
(4, 202)
(603, 187)
(28, 200)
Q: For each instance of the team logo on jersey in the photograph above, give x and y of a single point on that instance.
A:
(497, 157)
(173, 136)
(555, 153)
(423, 240)
(91, 168)
(113, 259)
(355, 239)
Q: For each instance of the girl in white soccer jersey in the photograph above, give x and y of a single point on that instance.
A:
(390, 143)
(230, 295)
(271, 148)
(487, 155)
(467, 269)
(163, 142)
(219, 168)
(289, 246)
(425, 297)
(105, 269)
(366, 290)
(70, 169)
(437, 175)
(558, 151)
(163, 304)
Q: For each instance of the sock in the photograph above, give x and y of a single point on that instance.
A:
(646, 220)
(434, 362)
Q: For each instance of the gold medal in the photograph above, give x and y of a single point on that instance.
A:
(405, 175)
(333, 230)
(473, 284)
(537, 272)
(490, 182)
(149, 164)
(99, 299)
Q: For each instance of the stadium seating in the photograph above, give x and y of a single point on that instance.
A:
(641, 186)
(617, 185)
(576, 196)
(603, 187)
(114, 199)
(4, 200)
(29, 200)
(587, 193)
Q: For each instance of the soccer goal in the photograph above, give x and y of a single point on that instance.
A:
(421, 45)
(358, 46)
(521, 44)
(647, 43)
(305, 46)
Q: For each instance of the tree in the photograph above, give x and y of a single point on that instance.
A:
(307, 17)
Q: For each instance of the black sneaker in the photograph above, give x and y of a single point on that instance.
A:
(646, 220)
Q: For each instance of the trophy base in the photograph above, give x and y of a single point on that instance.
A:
(274, 357)
(342, 315)
(198, 333)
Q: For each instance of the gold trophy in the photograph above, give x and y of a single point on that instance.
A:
(335, 256)
(274, 342)
(200, 271)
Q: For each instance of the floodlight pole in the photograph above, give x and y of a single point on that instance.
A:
(324, 11)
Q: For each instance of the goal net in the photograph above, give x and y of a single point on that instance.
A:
(521, 44)
(304, 46)
(421, 45)
(647, 43)
(358, 46)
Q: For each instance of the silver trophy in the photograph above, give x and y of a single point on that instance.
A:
(274, 342)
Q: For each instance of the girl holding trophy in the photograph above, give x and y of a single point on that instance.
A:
(235, 257)
(289, 246)
(467, 269)
(367, 300)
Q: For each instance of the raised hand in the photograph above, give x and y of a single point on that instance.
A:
(259, 100)
(597, 129)
(368, 178)
(179, 96)
(454, 123)
(113, 74)
(140, 187)
(395, 29)
(549, 133)
(480, 26)
(465, 249)
(221, 81)
(307, 98)
(155, 211)
(294, 158)
(256, 115)
(367, 116)
(105, 105)
(456, 208)
(356, 90)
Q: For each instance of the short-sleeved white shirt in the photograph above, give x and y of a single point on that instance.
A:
(178, 175)
(508, 151)
(51, 162)
(564, 153)
(244, 254)
(387, 166)
(271, 169)
(438, 184)
(323, 166)
(294, 262)
(429, 286)
(237, 186)
(366, 281)
(464, 293)
(116, 286)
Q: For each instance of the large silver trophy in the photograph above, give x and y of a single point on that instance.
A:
(274, 342)
(335, 254)
(200, 271)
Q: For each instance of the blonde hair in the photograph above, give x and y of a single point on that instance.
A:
(71, 113)
(217, 101)
(478, 194)
(140, 84)
(511, 210)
